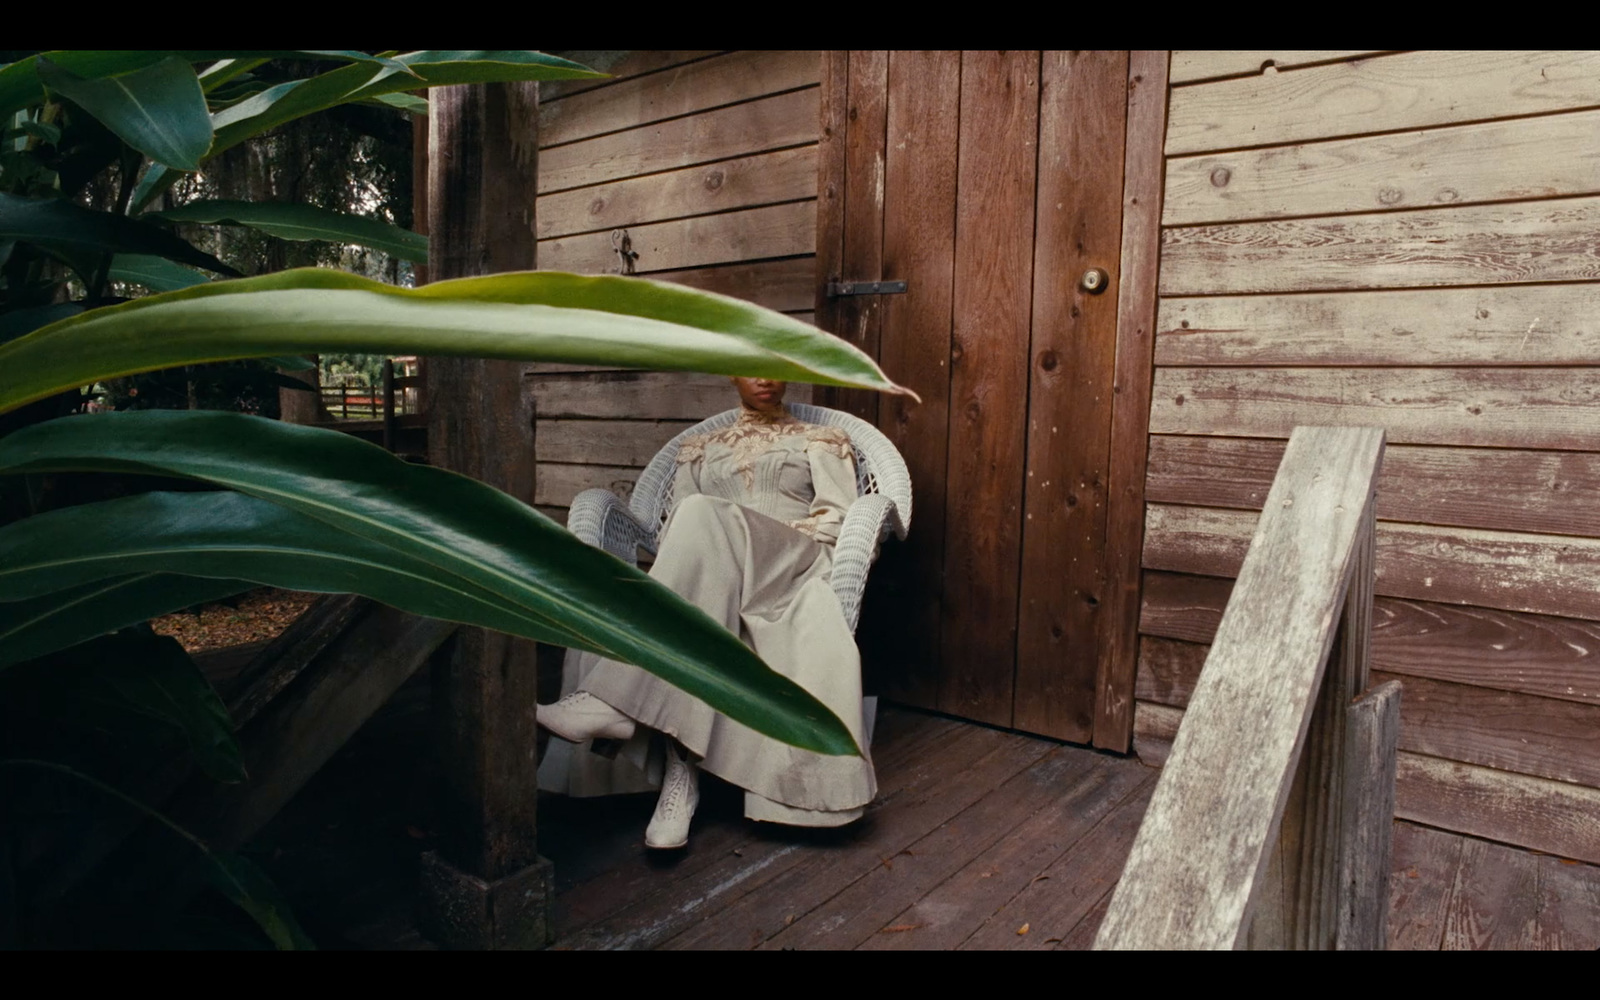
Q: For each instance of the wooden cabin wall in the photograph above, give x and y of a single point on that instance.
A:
(1407, 240)
(709, 161)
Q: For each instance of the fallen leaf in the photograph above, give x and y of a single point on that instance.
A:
(887, 865)
(897, 928)
(788, 920)
(1023, 929)
(1041, 878)
(1569, 861)
(1052, 940)
(1412, 873)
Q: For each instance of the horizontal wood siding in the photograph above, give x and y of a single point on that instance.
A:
(709, 161)
(1404, 240)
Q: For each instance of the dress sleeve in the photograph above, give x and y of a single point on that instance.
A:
(833, 478)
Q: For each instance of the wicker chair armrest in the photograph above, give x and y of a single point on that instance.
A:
(601, 518)
(868, 521)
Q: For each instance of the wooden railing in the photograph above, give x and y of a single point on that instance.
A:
(1271, 824)
(398, 396)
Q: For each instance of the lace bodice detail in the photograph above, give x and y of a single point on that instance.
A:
(798, 473)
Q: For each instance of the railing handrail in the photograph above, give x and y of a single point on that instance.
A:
(1212, 830)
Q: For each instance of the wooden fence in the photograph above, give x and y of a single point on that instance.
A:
(1271, 824)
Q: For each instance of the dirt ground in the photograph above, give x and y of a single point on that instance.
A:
(254, 617)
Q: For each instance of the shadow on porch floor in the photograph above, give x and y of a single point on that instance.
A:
(979, 839)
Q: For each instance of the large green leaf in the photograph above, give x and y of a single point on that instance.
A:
(532, 316)
(159, 110)
(36, 626)
(443, 68)
(60, 226)
(154, 273)
(305, 222)
(361, 81)
(234, 537)
(235, 877)
(474, 538)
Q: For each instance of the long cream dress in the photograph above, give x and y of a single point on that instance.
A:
(757, 508)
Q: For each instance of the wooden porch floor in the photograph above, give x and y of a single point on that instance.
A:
(979, 839)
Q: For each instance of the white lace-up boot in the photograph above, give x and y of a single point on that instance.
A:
(581, 716)
(680, 793)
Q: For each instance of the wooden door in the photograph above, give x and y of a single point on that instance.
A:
(990, 182)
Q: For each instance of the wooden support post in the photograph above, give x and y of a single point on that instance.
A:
(487, 887)
(1369, 818)
(388, 404)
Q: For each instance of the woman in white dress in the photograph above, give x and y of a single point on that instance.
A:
(757, 508)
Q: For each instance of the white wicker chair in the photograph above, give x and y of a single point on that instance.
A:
(883, 487)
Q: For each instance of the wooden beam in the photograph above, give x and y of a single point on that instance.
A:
(488, 888)
(1130, 403)
(1200, 856)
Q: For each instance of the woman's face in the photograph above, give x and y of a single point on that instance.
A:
(763, 394)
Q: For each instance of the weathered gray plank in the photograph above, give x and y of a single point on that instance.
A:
(1551, 816)
(1504, 650)
(1194, 65)
(605, 442)
(1495, 488)
(559, 483)
(1548, 156)
(1407, 90)
(1368, 818)
(633, 396)
(1555, 408)
(783, 175)
(1183, 887)
(1471, 245)
(621, 64)
(678, 90)
(738, 130)
(747, 234)
(1516, 325)
(1543, 574)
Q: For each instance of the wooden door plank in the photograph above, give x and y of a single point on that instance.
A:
(630, 442)
(1545, 157)
(1471, 245)
(746, 234)
(994, 245)
(1195, 65)
(831, 141)
(1407, 90)
(858, 319)
(1495, 899)
(901, 628)
(620, 64)
(1130, 408)
(1078, 225)
(1505, 326)
(1555, 408)
(1501, 650)
(1040, 917)
(1551, 816)
(788, 119)
(872, 902)
(746, 182)
(673, 92)
(1498, 489)
(949, 787)
(1422, 880)
(959, 905)
(1543, 574)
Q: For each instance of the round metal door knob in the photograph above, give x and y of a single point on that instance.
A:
(1095, 280)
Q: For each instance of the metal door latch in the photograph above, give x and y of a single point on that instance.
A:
(838, 288)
